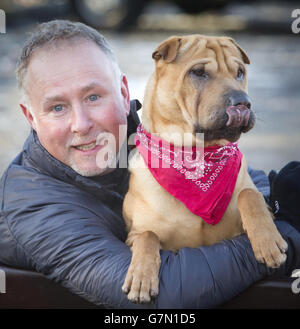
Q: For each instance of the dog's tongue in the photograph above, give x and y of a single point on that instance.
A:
(238, 116)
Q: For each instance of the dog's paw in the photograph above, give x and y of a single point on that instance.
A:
(141, 282)
(270, 248)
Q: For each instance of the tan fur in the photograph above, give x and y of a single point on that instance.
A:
(172, 104)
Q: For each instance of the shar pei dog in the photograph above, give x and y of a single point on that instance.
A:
(198, 88)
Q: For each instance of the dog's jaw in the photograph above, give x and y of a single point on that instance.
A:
(220, 132)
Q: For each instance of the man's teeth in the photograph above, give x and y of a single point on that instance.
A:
(86, 147)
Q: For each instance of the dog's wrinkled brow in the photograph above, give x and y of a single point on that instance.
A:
(239, 61)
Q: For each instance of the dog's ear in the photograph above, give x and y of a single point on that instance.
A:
(167, 50)
(243, 53)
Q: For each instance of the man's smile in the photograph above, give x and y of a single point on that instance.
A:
(88, 149)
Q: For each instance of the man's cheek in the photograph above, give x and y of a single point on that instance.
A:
(58, 146)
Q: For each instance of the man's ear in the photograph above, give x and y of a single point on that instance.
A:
(167, 50)
(28, 115)
(125, 93)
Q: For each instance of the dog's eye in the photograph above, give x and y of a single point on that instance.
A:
(199, 73)
(240, 73)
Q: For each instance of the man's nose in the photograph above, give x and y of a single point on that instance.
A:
(81, 122)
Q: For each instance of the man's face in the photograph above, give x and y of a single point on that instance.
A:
(75, 96)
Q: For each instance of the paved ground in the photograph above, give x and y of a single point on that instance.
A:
(274, 82)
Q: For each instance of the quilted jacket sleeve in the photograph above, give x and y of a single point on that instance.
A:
(206, 277)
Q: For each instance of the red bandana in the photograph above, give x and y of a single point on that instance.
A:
(206, 187)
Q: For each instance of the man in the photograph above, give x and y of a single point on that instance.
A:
(61, 211)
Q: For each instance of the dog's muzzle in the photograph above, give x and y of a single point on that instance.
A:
(236, 118)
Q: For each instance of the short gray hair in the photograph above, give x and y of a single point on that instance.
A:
(53, 32)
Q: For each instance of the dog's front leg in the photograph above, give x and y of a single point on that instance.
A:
(141, 282)
(267, 243)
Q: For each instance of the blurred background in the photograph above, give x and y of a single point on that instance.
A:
(266, 29)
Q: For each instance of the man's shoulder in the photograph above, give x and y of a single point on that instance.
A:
(34, 203)
(25, 186)
(27, 189)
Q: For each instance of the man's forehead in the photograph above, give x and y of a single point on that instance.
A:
(53, 77)
(67, 62)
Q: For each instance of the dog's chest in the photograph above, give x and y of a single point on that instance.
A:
(174, 224)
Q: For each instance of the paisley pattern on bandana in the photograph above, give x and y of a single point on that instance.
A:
(202, 179)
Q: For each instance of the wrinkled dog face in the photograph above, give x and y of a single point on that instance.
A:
(205, 80)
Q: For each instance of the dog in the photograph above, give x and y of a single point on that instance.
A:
(199, 86)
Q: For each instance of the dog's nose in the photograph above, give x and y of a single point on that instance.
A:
(238, 97)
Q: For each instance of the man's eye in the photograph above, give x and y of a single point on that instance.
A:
(57, 108)
(93, 98)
